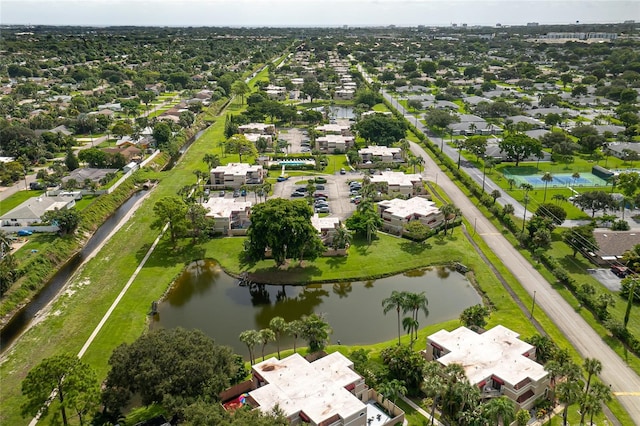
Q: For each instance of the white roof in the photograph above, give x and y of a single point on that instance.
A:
(35, 207)
(332, 128)
(224, 207)
(396, 178)
(335, 138)
(317, 388)
(379, 150)
(321, 223)
(413, 206)
(237, 169)
(496, 352)
(255, 126)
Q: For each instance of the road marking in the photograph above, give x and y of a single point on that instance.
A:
(626, 393)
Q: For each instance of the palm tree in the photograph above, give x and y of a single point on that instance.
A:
(511, 182)
(316, 332)
(627, 312)
(433, 384)
(568, 392)
(250, 338)
(392, 390)
(341, 238)
(404, 146)
(575, 177)
(415, 161)
(410, 325)
(546, 178)
(279, 326)
(212, 160)
(527, 187)
(416, 302)
(396, 301)
(266, 336)
(600, 393)
(593, 367)
(495, 194)
(294, 329)
(501, 410)
(450, 212)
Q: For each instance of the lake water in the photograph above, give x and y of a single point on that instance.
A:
(206, 298)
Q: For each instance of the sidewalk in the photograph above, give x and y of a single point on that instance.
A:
(421, 411)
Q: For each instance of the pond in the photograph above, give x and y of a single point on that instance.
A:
(336, 112)
(206, 298)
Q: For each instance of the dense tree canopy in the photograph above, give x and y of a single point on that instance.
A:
(381, 129)
(520, 146)
(284, 227)
(175, 367)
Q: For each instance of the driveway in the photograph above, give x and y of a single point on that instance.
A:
(295, 137)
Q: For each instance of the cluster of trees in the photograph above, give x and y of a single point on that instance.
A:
(407, 302)
(182, 370)
(312, 328)
(380, 129)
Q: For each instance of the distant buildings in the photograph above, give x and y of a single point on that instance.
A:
(234, 175)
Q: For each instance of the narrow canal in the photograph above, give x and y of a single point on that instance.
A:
(206, 298)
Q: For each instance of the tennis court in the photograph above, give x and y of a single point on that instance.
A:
(559, 179)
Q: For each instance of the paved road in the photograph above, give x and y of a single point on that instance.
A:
(587, 342)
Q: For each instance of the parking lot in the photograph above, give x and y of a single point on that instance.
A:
(336, 189)
(295, 137)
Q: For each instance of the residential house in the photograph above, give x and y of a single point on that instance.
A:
(94, 175)
(344, 94)
(323, 392)
(234, 175)
(496, 361)
(32, 210)
(130, 153)
(396, 213)
(277, 93)
(383, 154)
(334, 143)
(620, 149)
(326, 227)
(612, 245)
(229, 216)
(398, 183)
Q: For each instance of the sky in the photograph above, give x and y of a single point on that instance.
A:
(322, 13)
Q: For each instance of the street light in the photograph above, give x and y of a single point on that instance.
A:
(533, 305)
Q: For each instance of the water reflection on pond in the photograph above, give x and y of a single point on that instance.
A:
(205, 297)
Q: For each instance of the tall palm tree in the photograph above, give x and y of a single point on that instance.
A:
(546, 178)
(501, 410)
(279, 326)
(404, 146)
(396, 301)
(593, 367)
(450, 212)
(294, 329)
(600, 394)
(416, 302)
(432, 384)
(415, 162)
(568, 392)
(250, 338)
(341, 238)
(266, 336)
(526, 187)
(410, 325)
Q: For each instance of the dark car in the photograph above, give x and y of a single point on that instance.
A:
(320, 195)
(36, 186)
(319, 186)
(301, 189)
(297, 194)
(282, 178)
(343, 171)
(321, 180)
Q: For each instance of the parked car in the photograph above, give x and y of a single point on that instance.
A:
(321, 204)
(297, 194)
(620, 271)
(243, 192)
(343, 171)
(356, 198)
(305, 149)
(322, 209)
(320, 187)
(321, 199)
(354, 192)
(24, 233)
(282, 178)
(36, 186)
(321, 180)
(221, 194)
(236, 193)
(301, 189)
(320, 195)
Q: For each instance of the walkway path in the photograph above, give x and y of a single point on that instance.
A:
(421, 411)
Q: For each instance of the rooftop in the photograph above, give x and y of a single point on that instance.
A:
(238, 169)
(224, 207)
(317, 388)
(407, 208)
(497, 351)
(396, 178)
(379, 150)
(321, 223)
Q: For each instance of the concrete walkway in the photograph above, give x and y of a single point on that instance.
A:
(421, 411)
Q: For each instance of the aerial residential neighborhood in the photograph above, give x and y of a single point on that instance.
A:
(375, 224)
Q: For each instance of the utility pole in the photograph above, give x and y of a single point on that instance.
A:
(533, 305)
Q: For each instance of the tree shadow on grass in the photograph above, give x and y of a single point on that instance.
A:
(165, 254)
(294, 275)
(335, 262)
(414, 248)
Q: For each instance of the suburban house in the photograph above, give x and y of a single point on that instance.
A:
(32, 210)
(398, 183)
(382, 154)
(344, 94)
(332, 143)
(323, 392)
(334, 129)
(612, 245)
(277, 93)
(229, 216)
(234, 175)
(259, 128)
(130, 153)
(496, 361)
(396, 213)
(621, 149)
(94, 175)
(253, 137)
